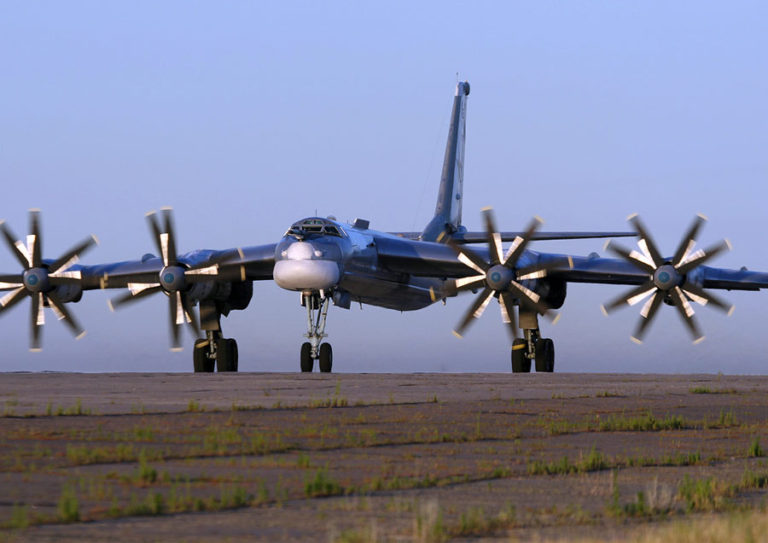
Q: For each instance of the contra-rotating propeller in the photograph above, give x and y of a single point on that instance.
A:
(501, 278)
(40, 280)
(668, 278)
(174, 279)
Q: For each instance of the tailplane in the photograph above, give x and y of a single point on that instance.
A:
(447, 219)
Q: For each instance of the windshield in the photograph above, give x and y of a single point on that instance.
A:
(313, 226)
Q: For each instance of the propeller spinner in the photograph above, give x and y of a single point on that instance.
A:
(39, 279)
(668, 278)
(501, 277)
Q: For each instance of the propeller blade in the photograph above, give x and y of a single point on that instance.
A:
(64, 314)
(171, 236)
(701, 296)
(11, 281)
(157, 236)
(530, 298)
(12, 298)
(34, 238)
(16, 247)
(189, 310)
(132, 296)
(493, 236)
(36, 320)
(507, 305)
(700, 257)
(475, 311)
(176, 320)
(537, 271)
(469, 257)
(469, 283)
(646, 315)
(686, 312)
(633, 257)
(688, 241)
(632, 297)
(518, 245)
(646, 241)
(68, 259)
(56, 280)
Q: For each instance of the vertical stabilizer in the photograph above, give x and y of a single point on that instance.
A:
(447, 217)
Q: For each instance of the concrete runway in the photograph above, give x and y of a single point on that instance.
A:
(107, 393)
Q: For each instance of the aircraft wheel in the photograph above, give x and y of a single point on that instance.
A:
(326, 357)
(520, 362)
(545, 355)
(306, 357)
(202, 364)
(226, 355)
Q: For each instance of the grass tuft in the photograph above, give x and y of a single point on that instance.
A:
(68, 506)
(322, 485)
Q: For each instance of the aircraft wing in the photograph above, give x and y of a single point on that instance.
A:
(420, 258)
(233, 265)
(439, 260)
(482, 237)
(594, 269)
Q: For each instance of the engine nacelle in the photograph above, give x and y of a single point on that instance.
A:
(552, 291)
(228, 296)
(69, 293)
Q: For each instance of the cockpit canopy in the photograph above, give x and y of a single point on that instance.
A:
(314, 226)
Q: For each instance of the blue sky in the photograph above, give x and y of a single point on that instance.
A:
(245, 116)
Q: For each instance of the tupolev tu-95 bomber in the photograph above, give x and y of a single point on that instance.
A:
(330, 262)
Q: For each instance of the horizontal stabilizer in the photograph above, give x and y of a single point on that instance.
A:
(482, 237)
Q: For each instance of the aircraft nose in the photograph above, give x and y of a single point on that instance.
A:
(301, 268)
(301, 250)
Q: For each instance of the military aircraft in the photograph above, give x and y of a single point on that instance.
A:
(327, 262)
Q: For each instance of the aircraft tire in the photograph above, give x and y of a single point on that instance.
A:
(306, 357)
(226, 355)
(202, 364)
(545, 355)
(520, 363)
(235, 354)
(326, 358)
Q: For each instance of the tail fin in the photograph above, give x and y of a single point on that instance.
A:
(447, 217)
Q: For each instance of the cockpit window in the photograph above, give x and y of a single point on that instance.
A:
(316, 226)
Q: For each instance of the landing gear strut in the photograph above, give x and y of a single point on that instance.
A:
(317, 313)
(215, 351)
(533, 347)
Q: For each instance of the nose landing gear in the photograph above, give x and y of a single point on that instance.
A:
(317, 313)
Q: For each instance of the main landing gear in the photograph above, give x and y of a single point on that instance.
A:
(314, 349)
(533, 347)
(215, 351)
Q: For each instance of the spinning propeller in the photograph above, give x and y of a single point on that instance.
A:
(501, 278)
(668, 280)
(40, 279)
(175, 279)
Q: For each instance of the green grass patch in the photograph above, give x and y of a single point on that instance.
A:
(592, 461)
(68, 505)
(707, 390)
(646, 422)
(322, 485)
(608, 394)
(195, 407)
